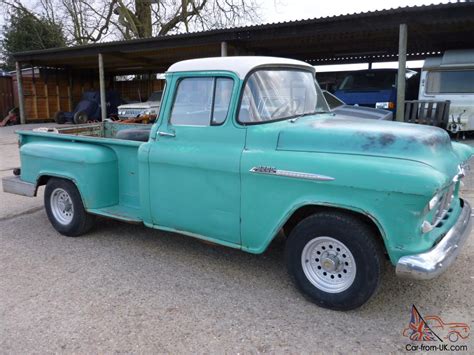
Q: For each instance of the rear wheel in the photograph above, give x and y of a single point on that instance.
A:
(335, 260)
(65, 210)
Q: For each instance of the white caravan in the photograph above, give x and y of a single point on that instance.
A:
(451, 77)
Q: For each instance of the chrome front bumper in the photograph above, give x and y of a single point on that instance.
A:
(434, 262)
(14, 185)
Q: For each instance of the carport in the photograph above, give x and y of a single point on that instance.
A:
(403, 33)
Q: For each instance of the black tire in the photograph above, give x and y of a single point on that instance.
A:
(81, 117)
(59, 117)
(80, 222)
(356, 237)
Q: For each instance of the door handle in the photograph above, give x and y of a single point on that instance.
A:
(166, 134)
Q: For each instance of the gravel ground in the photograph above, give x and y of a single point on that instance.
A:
(128, 289)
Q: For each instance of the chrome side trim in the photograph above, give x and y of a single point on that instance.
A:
(14, 185)
(287, 173)
(166, 134)
(434, 262)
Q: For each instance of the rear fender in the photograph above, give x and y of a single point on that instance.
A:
(92, 168)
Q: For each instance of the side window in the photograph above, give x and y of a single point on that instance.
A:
(192, 105)
(223, 94)
(201, 101)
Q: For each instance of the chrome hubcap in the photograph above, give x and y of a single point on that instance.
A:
(328, 264)
(61, 206)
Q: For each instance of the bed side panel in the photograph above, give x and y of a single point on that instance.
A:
(93, 168)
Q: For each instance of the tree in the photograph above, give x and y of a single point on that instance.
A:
(89, 21)
(25, 31)
(144, 18)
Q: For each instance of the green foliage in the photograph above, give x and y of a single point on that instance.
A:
(25, 31)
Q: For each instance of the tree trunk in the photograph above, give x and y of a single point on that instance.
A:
(143, 14)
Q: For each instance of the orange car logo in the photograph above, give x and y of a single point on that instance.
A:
(432, 328)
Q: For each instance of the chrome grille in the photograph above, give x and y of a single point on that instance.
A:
(444, 204)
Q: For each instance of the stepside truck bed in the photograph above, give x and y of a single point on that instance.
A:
(106, 167)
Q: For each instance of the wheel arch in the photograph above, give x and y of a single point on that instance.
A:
(43, 179)
(301, 212)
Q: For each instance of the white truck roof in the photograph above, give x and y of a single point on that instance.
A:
(241, 65)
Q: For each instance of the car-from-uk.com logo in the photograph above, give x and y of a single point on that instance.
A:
(438, 334)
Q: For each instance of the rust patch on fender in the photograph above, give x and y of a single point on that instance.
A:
(381, 140)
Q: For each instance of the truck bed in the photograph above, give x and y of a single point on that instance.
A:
(59, 148)
(97, 130)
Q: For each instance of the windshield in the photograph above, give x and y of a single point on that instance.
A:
(363, 81)
(275, 94)
(156, 96)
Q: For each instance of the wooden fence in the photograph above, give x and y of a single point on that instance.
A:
(6, 95)
(433, 113)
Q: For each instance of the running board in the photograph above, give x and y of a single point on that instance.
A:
(120, 212)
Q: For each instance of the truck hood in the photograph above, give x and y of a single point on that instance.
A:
(424, 144)
(140, 105)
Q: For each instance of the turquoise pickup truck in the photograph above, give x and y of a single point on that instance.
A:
(244, 148)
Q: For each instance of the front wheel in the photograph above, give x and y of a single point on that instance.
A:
(335, 260)
(64, 208)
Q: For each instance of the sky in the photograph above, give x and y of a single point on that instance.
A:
(286, 10)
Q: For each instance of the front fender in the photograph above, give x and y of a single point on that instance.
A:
(392, 192)
(93, 168)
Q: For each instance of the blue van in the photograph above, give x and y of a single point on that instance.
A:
(375, 88)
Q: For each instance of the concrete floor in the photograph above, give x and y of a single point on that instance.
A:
(125, 288)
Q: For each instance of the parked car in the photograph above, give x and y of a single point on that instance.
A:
(88, 109)
(147, 110)
(376, 88)
(340, 108)
(246, 147)
(451, 77)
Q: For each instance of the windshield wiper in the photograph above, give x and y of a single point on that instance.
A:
(294, 119)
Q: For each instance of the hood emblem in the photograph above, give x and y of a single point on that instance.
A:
(268, 170)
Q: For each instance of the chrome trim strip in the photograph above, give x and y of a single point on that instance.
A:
(434, 262)
(14, 185)
(287, 173)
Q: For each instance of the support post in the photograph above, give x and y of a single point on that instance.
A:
(33, 91)
(103, 103)
(223, 49)
(402, 61)
(21, 98)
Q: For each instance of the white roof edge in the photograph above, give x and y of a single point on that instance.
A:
(451, 59)
(241, 65)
